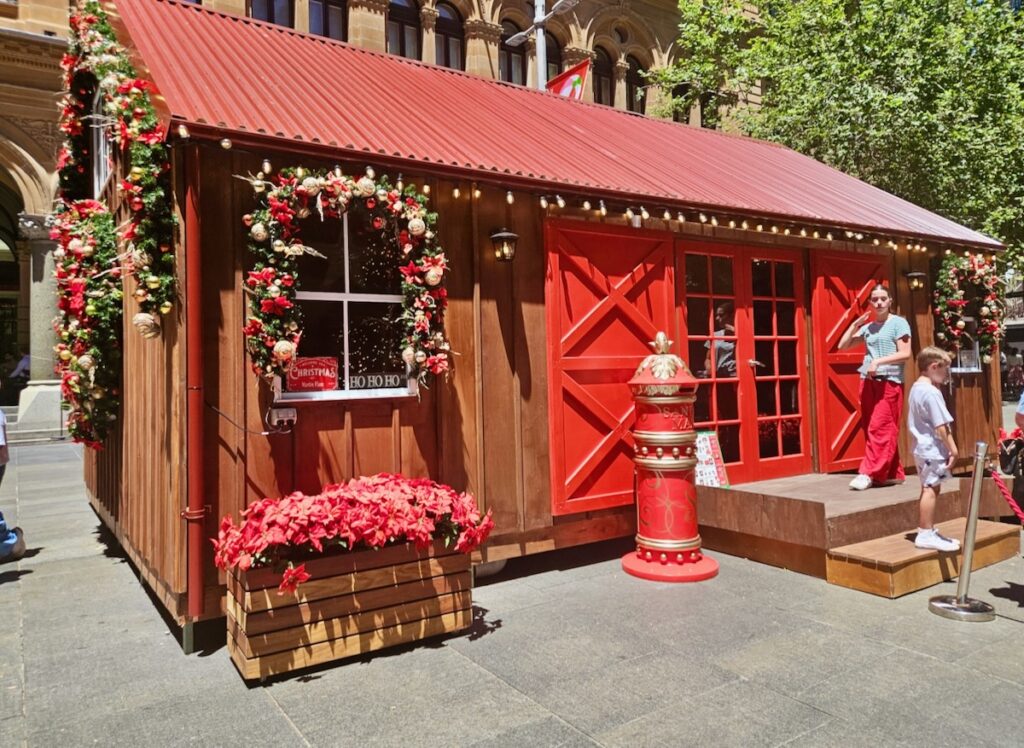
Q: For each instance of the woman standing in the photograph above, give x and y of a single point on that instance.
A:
(887, 337)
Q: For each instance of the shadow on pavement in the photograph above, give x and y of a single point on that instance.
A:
(1012, 592)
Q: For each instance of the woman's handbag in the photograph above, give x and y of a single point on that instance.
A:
(1011, 461)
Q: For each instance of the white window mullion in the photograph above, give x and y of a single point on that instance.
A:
(344, 323)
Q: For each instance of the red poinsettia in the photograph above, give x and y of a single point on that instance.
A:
(369, 512)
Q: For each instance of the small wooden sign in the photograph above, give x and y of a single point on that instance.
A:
(710, 470)
(313, 374)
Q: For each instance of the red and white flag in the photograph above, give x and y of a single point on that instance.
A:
(570, 83)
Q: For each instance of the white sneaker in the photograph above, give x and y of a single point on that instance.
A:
(861, 482)
(932, 540)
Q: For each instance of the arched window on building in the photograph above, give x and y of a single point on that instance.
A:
(329, 18)
(554, 55)
(604, 78)
(636, 99)
(681, 115)
(511, 60)
(404, 29)
(281, 12)
(449, 37)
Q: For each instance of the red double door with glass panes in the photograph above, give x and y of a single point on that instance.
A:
(737, 315)
(743, 314)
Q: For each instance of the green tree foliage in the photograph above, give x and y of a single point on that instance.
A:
(922, 98)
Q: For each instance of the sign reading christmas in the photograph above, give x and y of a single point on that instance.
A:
(313, 374)
(710, 470)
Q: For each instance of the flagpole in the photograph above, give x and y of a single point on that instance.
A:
(541, 43)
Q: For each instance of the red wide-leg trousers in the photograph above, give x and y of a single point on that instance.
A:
(881, 405)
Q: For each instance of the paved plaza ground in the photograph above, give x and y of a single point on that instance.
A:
(566, 650)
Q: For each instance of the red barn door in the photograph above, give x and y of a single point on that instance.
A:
(842, 285)
(609, 290)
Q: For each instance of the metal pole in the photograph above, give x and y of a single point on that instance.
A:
(541, 44)
(961, 607)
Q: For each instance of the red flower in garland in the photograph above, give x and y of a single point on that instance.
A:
(276, 305)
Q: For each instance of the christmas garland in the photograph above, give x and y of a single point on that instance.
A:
(88, 324)
(274, 327)
(95, 61)
(968, 287)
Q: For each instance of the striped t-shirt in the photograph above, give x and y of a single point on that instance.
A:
(881, 341)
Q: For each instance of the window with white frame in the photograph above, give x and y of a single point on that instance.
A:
(352, 307)
(100, 146)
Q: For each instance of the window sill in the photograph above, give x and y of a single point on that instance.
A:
(291, 398)
(391, 393)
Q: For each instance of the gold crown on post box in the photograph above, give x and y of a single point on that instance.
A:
(662, 373)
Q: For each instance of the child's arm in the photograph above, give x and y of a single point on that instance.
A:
(945, 433)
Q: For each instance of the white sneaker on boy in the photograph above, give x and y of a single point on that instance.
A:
(861, 482)
(932, 540)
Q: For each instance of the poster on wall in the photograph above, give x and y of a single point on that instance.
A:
(313, 374)
(710, 470)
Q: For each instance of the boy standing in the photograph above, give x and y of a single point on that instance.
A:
(934, 449)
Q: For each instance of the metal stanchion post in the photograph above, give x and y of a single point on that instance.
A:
(960, 607)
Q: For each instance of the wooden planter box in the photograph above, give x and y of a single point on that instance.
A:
(352, 604)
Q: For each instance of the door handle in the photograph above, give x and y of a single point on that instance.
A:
(754, 362)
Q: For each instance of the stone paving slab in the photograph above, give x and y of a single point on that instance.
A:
(565, 650)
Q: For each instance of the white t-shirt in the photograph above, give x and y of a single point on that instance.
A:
(926, 412)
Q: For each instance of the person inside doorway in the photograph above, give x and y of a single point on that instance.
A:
(887, 338)
(721, 361)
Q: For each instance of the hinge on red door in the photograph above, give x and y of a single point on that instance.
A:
(193, 515)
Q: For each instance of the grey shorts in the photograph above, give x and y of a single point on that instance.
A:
(931, 470)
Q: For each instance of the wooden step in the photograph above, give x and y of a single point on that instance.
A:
(893, 566)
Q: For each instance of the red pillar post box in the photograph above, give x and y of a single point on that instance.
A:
(667, 539)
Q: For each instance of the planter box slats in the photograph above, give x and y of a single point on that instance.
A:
(353, 604)
(259, 645)
(307, 613)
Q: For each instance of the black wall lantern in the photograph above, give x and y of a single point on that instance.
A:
(504, 243)
(916, 280)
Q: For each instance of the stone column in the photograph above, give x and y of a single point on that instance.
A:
(621, 68)
(529, 48)
(301, 20)
(428, 21)
(574, 56)
(39, 403)
(367, 24)
(482, 40)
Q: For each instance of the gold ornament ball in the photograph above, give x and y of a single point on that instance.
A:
(259, 232)
(65, 355)
(90, 309)
(433, 277)
(98, 393)
(152, 281)
(421, 356)
(141, 294)
(137, 173)
(165, 307)
(417, 227)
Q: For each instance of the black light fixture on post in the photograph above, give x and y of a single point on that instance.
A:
(915, 279)
(504, 243)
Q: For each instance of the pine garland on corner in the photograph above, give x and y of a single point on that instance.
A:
(274, 327)
(92, 251)
(968, 287)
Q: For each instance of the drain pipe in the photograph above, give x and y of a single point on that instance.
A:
(195, 514)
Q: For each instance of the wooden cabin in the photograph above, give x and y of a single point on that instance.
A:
(646, 225)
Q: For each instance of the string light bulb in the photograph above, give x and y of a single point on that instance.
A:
(399, 185)
(629, 213)
(509, 197)
(643, 213)
(681, 217)
(775, 229)
(829, 236)
(732, 224)
(703, 218)
(875, 241)
(745, 225)
(760, 227)
(714, 221)
(603, 209)
(817, 235)
(586, 205)
(476, 192)
(559, 201)
(786, 231)
(266, 166)
(456, 193)
(667, 215)
(544, 201)
(426, 189)
(337, 171)
(226, 144)
(803, 232)
(183, 132)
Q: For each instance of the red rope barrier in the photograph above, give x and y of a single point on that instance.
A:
(1006, 494)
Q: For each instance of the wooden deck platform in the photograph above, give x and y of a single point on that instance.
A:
(795, 522)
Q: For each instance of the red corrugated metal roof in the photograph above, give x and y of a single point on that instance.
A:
(245, 77)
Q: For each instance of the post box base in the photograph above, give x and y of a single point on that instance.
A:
(670, 572)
